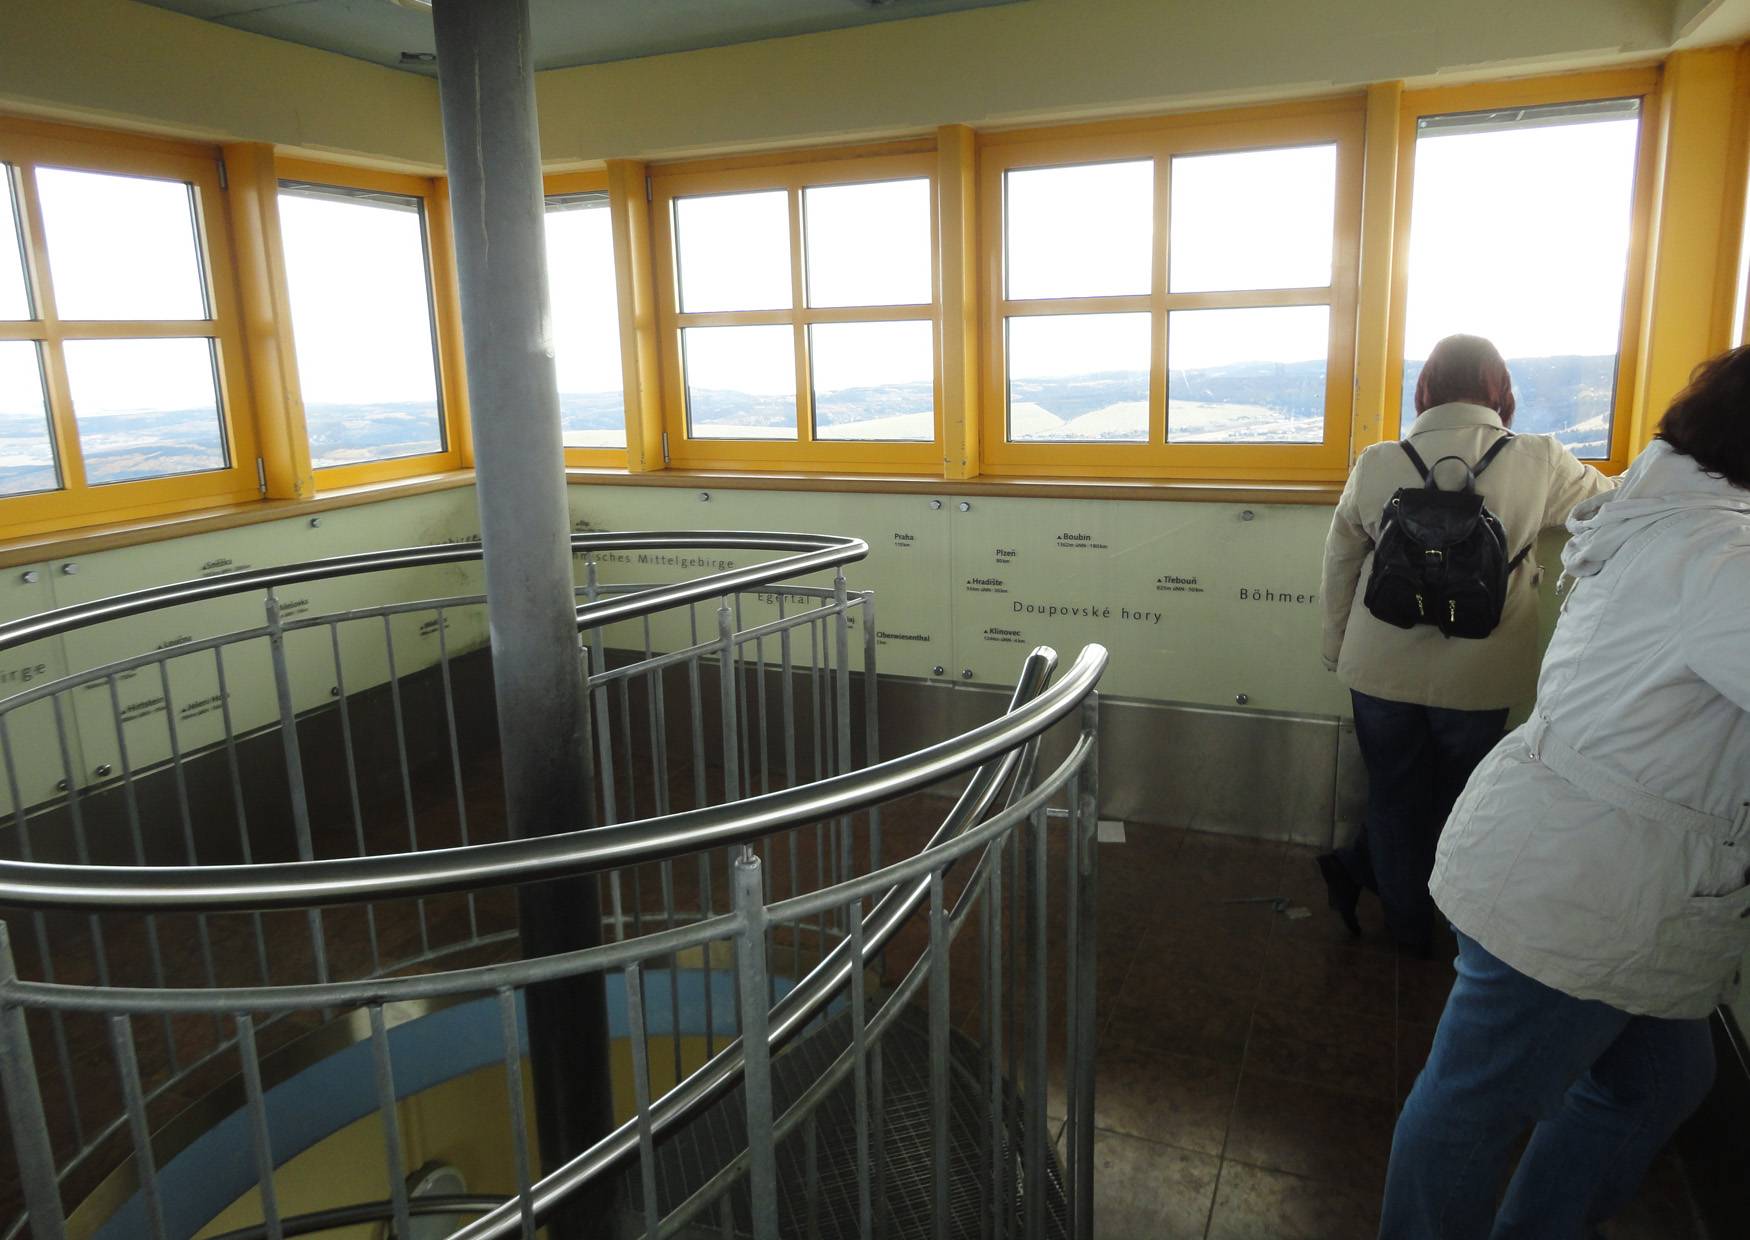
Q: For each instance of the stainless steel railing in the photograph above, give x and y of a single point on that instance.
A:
(766, 734)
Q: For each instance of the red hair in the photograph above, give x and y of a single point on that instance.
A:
(1466, 368)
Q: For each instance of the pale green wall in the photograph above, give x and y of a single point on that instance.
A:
(117, 62)
(1062, 59)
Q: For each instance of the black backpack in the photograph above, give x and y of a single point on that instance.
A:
(1441, 558)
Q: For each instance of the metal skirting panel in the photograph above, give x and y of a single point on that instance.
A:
(1268, 776)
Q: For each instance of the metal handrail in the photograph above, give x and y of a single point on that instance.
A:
(306, 884)
(814, 552)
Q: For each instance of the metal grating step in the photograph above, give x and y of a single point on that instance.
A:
(823, 1202)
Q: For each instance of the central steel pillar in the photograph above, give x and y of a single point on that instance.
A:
(487, 90)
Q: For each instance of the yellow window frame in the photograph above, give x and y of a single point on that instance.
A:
(28, 145)
(1333, 121)
(1641, 83)
(433, 193)
(861, 165)
(595, 181)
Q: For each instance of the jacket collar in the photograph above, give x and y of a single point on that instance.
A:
(1455, 416)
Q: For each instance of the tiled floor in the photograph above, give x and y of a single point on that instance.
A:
(1251, 1065)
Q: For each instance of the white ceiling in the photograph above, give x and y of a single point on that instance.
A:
(566, 32)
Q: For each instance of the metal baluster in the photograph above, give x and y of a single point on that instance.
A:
(598, 663)
(939, 962)
(121, 1033)
(455, 756)
(1086, 791)
(258, 1131)
(871, 722)
(745, 750)
(996, 1099)
(727, 712)
(352, 788)
(236, 771)
(395, 1164)
(760, 706)
(878, 1111)
(154, 952)
(300, 804)
(24, 1109)
(860, 1051)
(519, 1123)
(811, 1175)
(750, 961)
(842, 712)
(641, 1099)
(99, 954)
(1012, 989)
(1073, 1015)
(674, 964)
(188, 845)
(789, 698)
(406, 772)
(40, 931)
(1036, 1019)
(658, 729)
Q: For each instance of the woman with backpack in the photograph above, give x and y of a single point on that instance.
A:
(1597, 865)
(1429, 706)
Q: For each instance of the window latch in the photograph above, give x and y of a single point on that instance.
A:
(261, 476)
(665, 447)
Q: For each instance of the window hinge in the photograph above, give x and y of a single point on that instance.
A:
(649, 191)
(261, 476)
(665, 447)
(224, 177)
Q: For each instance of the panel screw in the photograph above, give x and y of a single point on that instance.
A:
(103, 770)
(935, 505)
(966, 673)
(69, 568)
(939, 670)
(704, 497)
(60, 785)
(1240, 699)
(334, 691)
(315, 523)
(1248, 515)
(31, 576)
(965, 505)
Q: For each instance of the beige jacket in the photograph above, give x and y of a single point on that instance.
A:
(1531, 486)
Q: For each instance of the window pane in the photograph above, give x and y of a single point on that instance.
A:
(361, 319)
(1247, 376)
(1253, 219)
(1079, 377)
(1079, 232)
(1519, 231)
(741, 382)
(586, 321)
(733, 251)
(121, 247)
(873, 380)
(145, 408)
(14, 296)
(868, 245)
(27, 453)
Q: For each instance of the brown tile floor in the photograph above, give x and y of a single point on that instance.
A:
(1250, 1066)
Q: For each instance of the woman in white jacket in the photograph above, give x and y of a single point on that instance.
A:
(1597, 865)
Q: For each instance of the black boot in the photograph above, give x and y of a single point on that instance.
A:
(1344, 891)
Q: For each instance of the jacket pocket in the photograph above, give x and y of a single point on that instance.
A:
(1706, 937)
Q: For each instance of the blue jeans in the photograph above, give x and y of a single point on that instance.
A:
(1604, 1089)
(1418, 759)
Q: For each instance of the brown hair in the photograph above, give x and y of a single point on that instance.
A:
(1709, 420)
(1466, 368)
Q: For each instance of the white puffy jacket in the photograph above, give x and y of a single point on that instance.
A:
(1603, 848)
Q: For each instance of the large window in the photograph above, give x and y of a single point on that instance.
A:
(364, 325)
(120, 371)
(1521, 225)
(584, 296)
(1177, 301)
(798, 308)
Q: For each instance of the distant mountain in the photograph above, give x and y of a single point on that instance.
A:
(1254, 402)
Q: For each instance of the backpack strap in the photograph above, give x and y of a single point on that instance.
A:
(1415, 458)
(1519, 559)
(1491, 454)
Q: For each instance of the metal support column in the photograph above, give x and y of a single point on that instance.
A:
(487, 92)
